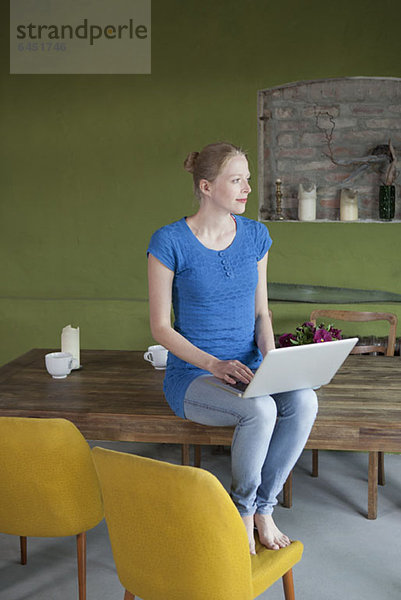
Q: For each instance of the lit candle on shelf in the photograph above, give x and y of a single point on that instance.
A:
(307, 202)
(348, 205)
(70, 343)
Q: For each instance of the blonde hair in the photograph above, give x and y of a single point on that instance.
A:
(208, 163)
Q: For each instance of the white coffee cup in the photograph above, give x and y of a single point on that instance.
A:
(59, 364)
(157, 355)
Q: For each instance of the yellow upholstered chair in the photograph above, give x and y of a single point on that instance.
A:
(49, 486)
(176, 534)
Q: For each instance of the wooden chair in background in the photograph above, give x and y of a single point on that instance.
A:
(388, 350)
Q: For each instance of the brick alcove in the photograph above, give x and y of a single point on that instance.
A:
(294, 123)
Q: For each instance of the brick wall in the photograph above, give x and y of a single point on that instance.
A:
(294, 120)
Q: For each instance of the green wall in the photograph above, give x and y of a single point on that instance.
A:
(91, 165)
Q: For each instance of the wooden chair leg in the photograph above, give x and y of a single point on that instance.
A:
(372, 485)
(381, 479)
(128, 595)
(185, 454)
(288, 585)
(22, 543)
(198, 455)
(81, 557)
(287, 492)
(315, 463)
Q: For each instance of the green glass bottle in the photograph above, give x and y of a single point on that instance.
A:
(387, 202)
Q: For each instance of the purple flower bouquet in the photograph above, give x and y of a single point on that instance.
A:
(308, 333)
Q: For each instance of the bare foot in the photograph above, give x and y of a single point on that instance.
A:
(248, 522)
(269, 534)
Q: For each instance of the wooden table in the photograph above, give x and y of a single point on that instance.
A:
(118, 396)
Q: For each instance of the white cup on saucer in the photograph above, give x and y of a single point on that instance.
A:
(59, 364)
(157, 356)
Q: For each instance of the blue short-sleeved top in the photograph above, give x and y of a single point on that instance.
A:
(213, 297)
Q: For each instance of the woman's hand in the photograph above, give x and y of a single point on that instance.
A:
(231, 371)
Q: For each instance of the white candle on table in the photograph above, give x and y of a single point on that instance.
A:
(306, 203)
(70, 343)
(348, 205)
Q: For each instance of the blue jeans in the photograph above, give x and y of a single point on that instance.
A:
(270, 434)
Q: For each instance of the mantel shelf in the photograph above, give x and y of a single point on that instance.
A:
(369, 221)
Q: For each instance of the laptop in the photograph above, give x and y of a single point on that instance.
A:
(293, 368)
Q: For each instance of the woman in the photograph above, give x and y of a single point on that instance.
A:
(211, 267)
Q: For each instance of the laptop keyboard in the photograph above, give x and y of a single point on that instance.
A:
(240, 386)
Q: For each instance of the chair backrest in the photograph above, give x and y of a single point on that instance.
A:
(174, 531)
(48, 482)
(361, 316)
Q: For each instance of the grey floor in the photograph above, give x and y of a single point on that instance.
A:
(346, 557)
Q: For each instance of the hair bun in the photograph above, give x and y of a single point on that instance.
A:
(189, 162)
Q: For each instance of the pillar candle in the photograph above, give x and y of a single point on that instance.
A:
(348, 205)
(306, 203)
(70, 343)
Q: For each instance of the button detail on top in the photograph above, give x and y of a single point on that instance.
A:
(221, 253)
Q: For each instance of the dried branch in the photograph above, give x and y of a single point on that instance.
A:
(379, 155)
(391, 171)
(327, 134)
(361, 169)
(329, 140)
